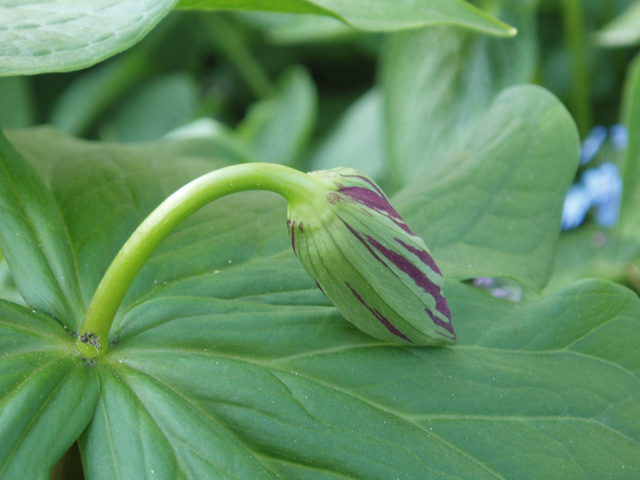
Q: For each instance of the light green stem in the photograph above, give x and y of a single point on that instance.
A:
(296, 187)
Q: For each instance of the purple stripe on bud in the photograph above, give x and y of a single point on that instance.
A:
(373, 185)
(372, 200)
(318, 285)
(443, 324)
(359, 237)
(422, 255)
(292, 225)
(379, 316)
(418, 277)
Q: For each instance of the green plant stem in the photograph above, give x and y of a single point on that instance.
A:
(296, 187)
(573, 18)
(228, 38)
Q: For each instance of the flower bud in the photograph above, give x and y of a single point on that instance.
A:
(367, 261)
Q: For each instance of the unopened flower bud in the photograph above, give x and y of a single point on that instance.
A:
(367, 261)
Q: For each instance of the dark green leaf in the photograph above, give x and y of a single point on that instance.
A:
(103, 191)
(16, 103)
(47, 393)
(494, 208)
(34, 240)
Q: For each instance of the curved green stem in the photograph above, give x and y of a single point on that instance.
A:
(296, 187)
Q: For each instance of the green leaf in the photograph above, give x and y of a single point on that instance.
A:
(47, 393)
(434, 97)
(357, 140)
(229, 362)
(374, 15)
(591, 252)
(494, 208)
(278, 128)
(630, 214)
(34, 240)
(624, 30)
(97, 188)
(38, 37)
(16, 103)
(164, 103)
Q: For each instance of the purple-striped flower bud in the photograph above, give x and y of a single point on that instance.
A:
(367, 261)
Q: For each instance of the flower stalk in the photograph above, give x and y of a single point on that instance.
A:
(293, 185)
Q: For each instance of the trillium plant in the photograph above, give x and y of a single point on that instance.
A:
(338, 220)
(214, 226)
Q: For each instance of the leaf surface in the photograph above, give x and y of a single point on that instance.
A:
(624, 30)
(34, 240)
(435, 97)
(493, 209)
(47, 393)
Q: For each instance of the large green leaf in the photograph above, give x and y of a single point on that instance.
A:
(374, 15)
(438, 82)
(99, 191)
(34, 240)
(47, 393)
(229, 363)
(37, 37)
(494, 208)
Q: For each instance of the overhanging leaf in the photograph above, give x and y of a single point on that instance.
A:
(494, 208)
(47, 393)
(38, 37)
(374, 15)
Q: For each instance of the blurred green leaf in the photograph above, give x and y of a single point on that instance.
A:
(493, 209)
(16, 103)
(154, 109)
(38, 37)
(296, 29)
(591, 252)
(622, 31)
(374, 15)
(94, 91)
(278, 128)
(630, 211)
(438, 83)
(47, 393)
(357, 140)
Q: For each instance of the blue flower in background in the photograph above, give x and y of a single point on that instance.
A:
(619, 136)
(576, 205)
(592, 144)
(599, 187)
(604, 186)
